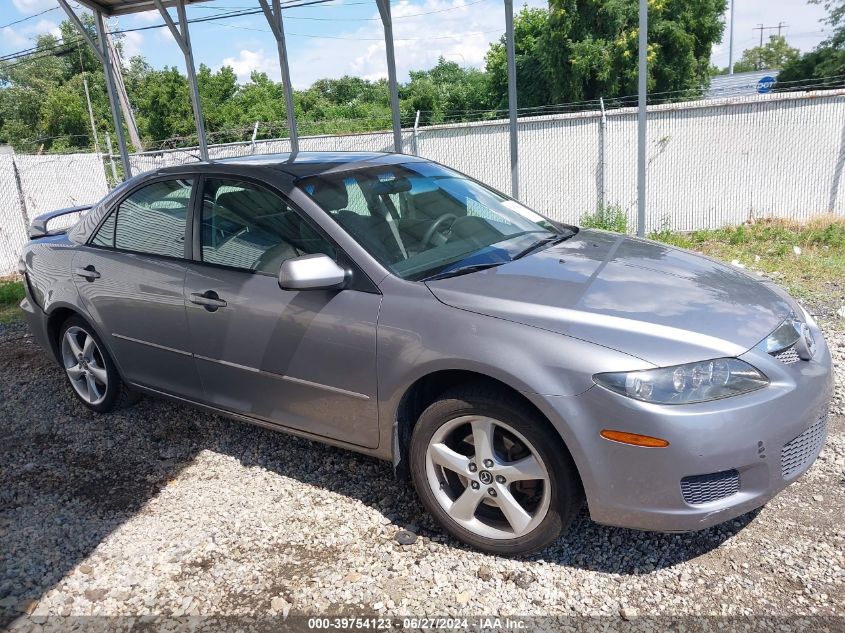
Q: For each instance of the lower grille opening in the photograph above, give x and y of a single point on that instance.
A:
(797, 453)
(711, 487)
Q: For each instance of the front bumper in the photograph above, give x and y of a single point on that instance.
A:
(732, 450)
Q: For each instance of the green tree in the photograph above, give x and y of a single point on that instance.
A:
(591, 47)
(162, 105)
(533, 73)
(825, 62)
(445, 92)
(776, 53)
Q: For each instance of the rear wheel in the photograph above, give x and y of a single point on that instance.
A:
(90, 370)
(492, 473)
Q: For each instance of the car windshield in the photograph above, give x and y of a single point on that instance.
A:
(422, 219)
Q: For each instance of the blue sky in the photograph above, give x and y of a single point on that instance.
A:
(345, 37)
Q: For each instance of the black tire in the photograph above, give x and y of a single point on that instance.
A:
(117, 394)
(482, 400)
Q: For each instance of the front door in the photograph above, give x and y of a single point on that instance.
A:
(301, 359)
(131, 279)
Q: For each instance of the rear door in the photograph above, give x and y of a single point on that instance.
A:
(131, 277)
(302, 359)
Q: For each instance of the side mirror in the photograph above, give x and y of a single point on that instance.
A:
(311, 272)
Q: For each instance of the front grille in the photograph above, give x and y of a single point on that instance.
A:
(799, 452)
(706, 488)
(787, 356)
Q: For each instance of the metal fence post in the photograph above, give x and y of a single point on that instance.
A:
(416, 127)
(602, 156)
(512, 109)
(642, 156)
(111, 156)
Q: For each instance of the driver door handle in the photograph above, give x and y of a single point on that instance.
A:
(208, 299)
(89, 272)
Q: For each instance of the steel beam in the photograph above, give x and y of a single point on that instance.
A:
(387, 23)
(642, 155)
(101, 51)
(274, 18)
(183, 39)
(512, 109)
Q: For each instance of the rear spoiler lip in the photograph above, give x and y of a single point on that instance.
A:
(38, 226)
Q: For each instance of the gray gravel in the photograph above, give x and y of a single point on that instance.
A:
(161, 509)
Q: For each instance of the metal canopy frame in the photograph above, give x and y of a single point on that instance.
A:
(272, 10)
(273, 13)
(101, 49)
(183, 39)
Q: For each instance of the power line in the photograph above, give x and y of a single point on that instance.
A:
(29, 17)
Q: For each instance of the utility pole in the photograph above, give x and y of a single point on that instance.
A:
(123, 97)
(731, 44)
(91, 113)
(761, 28)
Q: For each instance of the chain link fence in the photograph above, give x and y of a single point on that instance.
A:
(32, 185)
(711, 163)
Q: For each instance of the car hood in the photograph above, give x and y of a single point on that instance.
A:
(664, 305)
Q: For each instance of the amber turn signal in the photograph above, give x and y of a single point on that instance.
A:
(634, 439)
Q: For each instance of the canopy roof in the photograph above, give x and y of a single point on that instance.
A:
(123, 7)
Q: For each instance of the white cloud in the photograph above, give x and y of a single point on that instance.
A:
(248, 61)
(23, 35)
(15, 38)
(132, 45)
(459, 30)
(31, 6)
(43, 27)
(149, 16)
(165, 35)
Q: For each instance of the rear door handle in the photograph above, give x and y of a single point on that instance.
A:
(89, 272)
(208, 299)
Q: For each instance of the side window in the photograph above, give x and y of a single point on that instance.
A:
(105, 234)
(153, 219)
(246, 226)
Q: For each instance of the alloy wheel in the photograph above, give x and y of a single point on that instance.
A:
(84, 364)
(488, 477)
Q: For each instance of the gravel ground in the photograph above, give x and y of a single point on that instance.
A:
(161, 509)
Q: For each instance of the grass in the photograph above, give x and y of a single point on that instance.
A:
(608, 218)
(11, 293)
(807, 258)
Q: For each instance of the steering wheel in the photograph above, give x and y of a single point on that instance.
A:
(429, 234)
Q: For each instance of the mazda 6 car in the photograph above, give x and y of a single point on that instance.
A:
(512, 366)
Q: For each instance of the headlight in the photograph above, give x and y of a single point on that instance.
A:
(786, 335)
(686, 384)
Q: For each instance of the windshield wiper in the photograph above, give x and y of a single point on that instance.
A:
(546, 241)
(463, 270)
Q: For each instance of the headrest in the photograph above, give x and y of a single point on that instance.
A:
(331, 196)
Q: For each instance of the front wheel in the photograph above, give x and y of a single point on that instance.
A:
(493, 474)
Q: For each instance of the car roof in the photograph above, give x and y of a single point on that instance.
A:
(302, 164)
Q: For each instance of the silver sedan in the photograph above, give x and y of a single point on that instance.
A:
(513, 367)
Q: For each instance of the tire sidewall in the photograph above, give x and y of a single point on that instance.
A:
(564, 489)
(113, 388)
